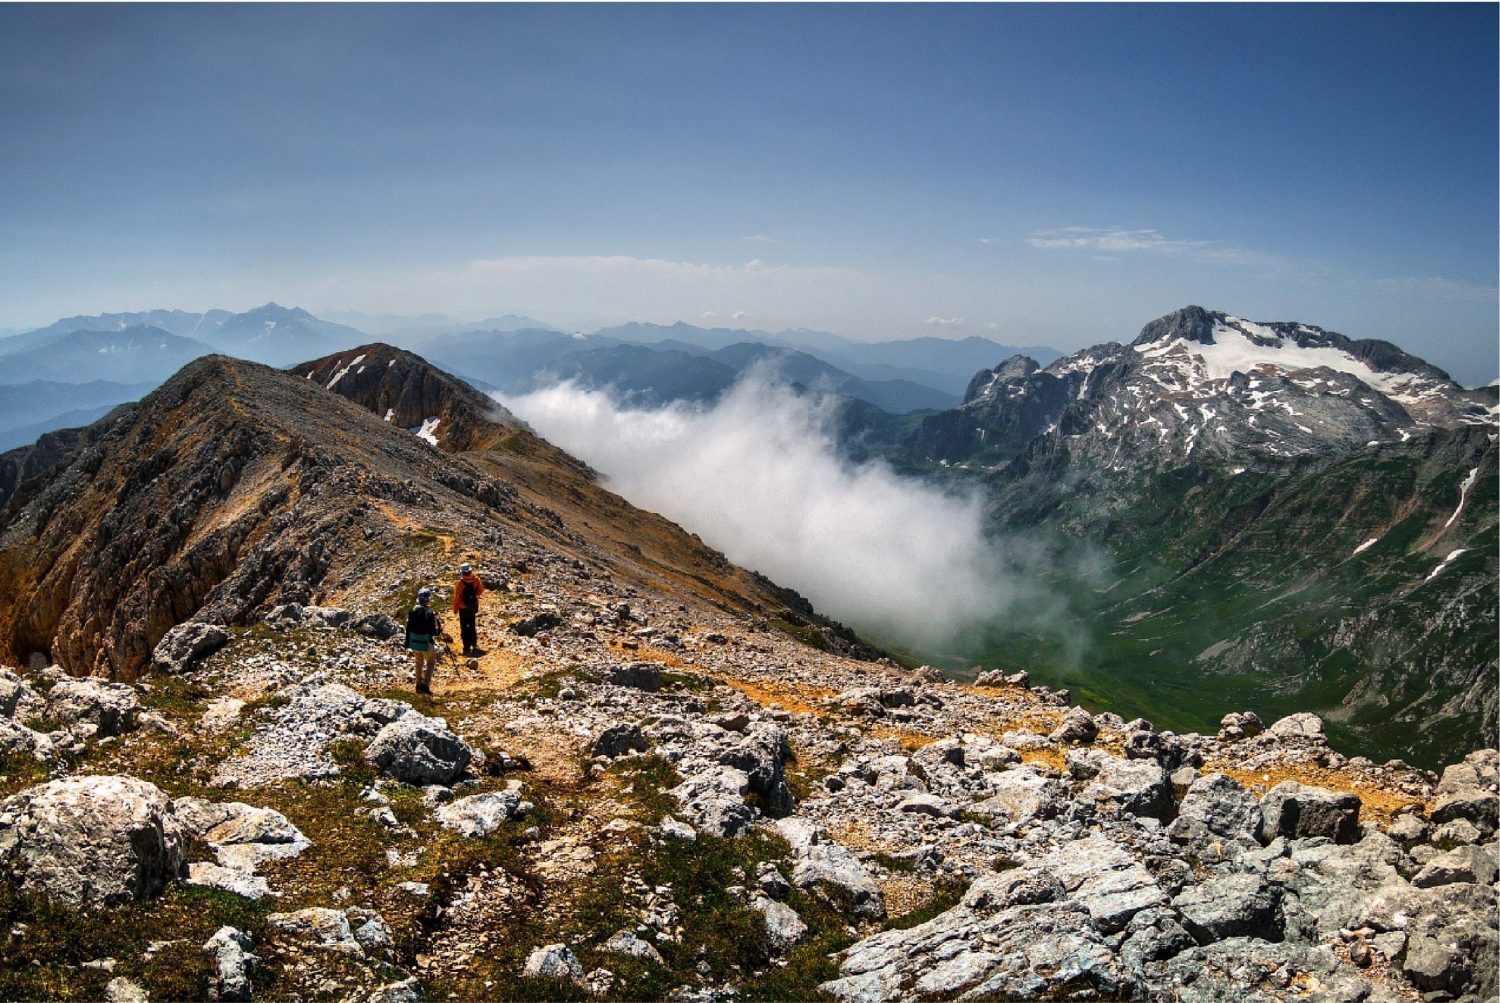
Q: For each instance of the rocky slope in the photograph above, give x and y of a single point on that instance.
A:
(658, 781)
(1288, 519)
(233, 486)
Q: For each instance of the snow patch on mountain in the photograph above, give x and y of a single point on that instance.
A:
(1463, 495)
(1444, 564)
(343, 371)
(1240, 346)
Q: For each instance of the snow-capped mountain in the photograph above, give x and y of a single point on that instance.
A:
(1198, 385)
(1273, 511)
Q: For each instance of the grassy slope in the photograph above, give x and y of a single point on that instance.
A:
(1245, 592)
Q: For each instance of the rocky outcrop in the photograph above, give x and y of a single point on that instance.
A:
(233, 963)
(295, 742)
(93, 708)
(419, 750)
(241, 837)
(1470, 791)
(481, 814)
(1296, 811)
(1223, 806)
(184, 511)
(554, 961)
(407, 392)
(92, 841)
(185, 644)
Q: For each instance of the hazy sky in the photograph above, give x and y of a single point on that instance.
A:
(1036, 174)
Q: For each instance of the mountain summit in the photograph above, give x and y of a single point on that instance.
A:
(1288, 514)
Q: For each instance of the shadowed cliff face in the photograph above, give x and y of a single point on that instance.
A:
(235, 486)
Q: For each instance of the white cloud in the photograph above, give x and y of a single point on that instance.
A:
(986, 240)
(739, 315)
(992, 325)
(758, 476)
(762, 238)
(710, 314)
(945, 321)
(1116, 240)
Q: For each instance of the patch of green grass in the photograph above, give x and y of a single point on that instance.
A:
(650, 777)
(687, 681)
(904, 865)
(549, 684)
(945, 895)
(21, 771)
(174, 697)
(811, 962)
(354, 771)
(720, 930)
(45, 961)
(273, 702)
(806, 634)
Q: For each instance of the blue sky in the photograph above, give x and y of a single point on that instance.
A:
(1036, 174)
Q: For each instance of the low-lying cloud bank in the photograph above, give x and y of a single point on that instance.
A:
(758, 476)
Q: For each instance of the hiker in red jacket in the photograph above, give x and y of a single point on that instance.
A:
(466, 593)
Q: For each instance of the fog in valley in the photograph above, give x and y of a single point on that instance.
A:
(758, 476)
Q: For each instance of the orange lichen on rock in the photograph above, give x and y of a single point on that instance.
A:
(1379, 803)
(790, 697)
(642, 652)
(1050, 755)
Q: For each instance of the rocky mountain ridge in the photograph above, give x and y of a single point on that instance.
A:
(234, 485)
(1206, 382)
(663, 778)
(680, 802)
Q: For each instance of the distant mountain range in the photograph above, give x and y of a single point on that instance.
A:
(1267, 515)
(28, 410)
(272, 334)
(660, 372)
(74, 371)
(123, 355)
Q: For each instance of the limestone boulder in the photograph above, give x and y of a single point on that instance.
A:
(419, 750)
(185, 644)
(94, 708)
(1297, 811)
(92, 841)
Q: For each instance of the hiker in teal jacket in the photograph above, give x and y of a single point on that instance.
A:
(422, 631)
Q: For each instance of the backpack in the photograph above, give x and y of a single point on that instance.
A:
(421, 620)
(470, 594)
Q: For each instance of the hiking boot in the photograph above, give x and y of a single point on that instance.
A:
(476, 652)
(424, 688)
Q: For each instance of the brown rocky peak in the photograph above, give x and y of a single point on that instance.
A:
(231, 485)
(235, 487)
(409, 392)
